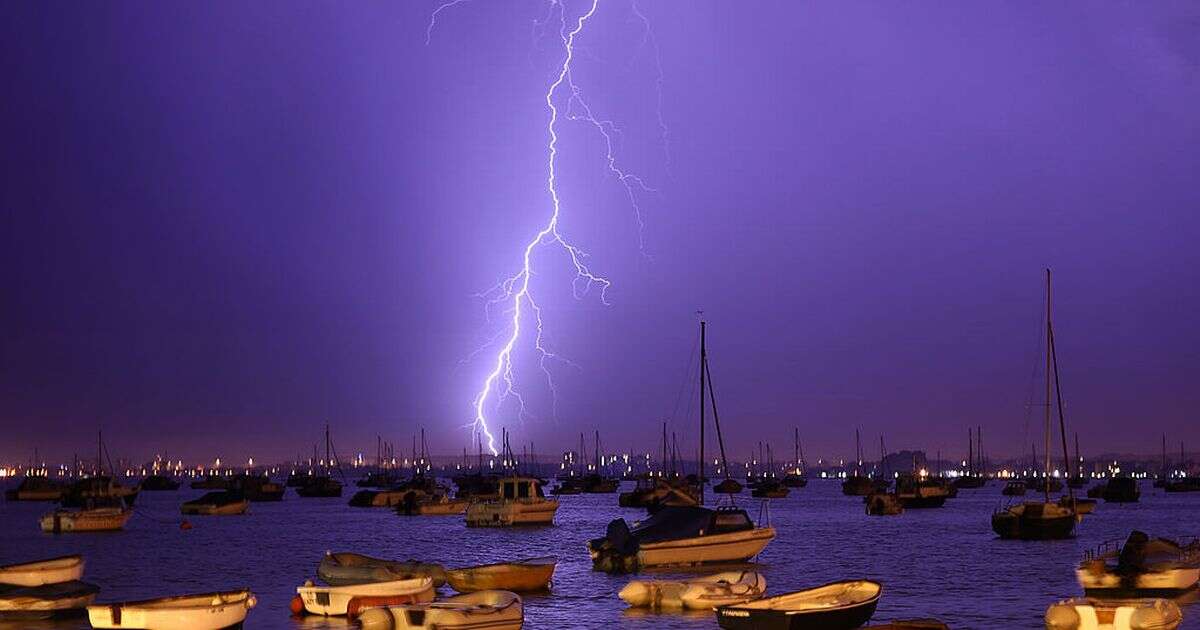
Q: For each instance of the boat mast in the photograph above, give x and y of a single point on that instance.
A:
(796, 449)
(970, 453)
(979, 438)
(1062, 420)
(703, 359)
(664, 452)
(1049, 367)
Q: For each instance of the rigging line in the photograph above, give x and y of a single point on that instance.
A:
(1035, 355)
(687, 377)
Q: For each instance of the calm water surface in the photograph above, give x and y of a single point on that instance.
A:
(944, 563)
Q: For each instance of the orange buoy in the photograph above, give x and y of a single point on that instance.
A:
(186, 525)
(296, 606)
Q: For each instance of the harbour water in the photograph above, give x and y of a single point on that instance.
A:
(943, 563)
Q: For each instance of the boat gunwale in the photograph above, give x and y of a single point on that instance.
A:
(142, 603)
(763, 604)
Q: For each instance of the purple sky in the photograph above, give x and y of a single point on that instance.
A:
(222, 224)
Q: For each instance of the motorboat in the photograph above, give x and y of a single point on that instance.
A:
(1130, 614)
(36, 488)
(493, 610)
(96, 516)
(332, 601)
(217, 503)
(160, 483)
(42, 572)
(202, 611)
(679, 536)
(917, 492)
(1034, 520)
(521, 502)
(1141, 567)
(1014, 488)
(567, 487)
(835, 606)
(521, 576)
(701, 593)
(344, 569)
(884, 504)
(46, 601)
(1121, 490)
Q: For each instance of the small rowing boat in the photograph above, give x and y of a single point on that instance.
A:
(40, 572)
(438, 506)
(344, 569)
(1116, 614)
(46, 601)
(702, 593)
(522, 576)
(835, 606)
(219, 503)
(338, 600)
(490, 610)
(203, 611)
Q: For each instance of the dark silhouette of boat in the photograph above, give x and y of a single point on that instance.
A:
(160, 483)
(1121, 490)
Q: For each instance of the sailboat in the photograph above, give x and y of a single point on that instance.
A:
(974, 477)
(322, 485)
(1046, 519)
(100, 486)
(675, 536)
(858, 484)
(1183, 483)
(666, 488)
(770, 487)
(795, 478)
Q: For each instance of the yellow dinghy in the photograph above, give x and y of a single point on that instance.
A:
(521, 576)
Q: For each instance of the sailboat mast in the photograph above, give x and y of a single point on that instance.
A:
(1049, 367)
(703, 359)
(970, 453)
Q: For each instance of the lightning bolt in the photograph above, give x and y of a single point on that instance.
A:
(514, 293)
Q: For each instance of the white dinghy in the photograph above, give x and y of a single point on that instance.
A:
(52, 571)
(702, 593)
(333, 601)
(203, 611)
(1113, 614)
(490, 610)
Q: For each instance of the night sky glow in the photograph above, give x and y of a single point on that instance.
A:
(225, 225)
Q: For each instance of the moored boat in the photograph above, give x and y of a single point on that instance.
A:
(520, 576)
(1081, 506)
(884, 504)
(112, 517)
(99, 488)
(914, 491)
(1129, 614)
(440, 505)
(334, 601)
(344, 569)
(46, 601)
(521, 502)
(217, 503)
(202, 611)
(258, 488)
(1034, 520)
(211, 482)
(40, 572)
(701, 593)
(836, 606)
(36, 488)
(1141, 567)
(160, 483)
(1121, 490)
(679, 536)
(320, 486)
(493, 610)
(1014, 488)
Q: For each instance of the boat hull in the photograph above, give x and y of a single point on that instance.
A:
(211, 611)
(508, 513)
(1162, 583)
(733, 618)
(486, 610)
(51, 571)
(1013, 527)
(46, 601)
(517, 577)
(211, 509)
(101, 520)
(332, 601)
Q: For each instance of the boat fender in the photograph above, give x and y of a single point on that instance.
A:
(376, 619)
(296, 606)
(1062, 617)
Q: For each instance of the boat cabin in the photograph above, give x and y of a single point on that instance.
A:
(515, 488)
